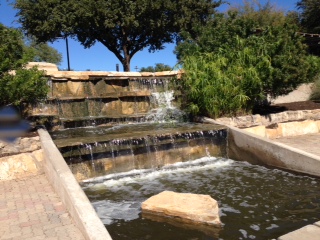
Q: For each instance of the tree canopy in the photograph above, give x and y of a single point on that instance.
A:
(123, 26)
(42, 52)
(159, 67)
(310, 15)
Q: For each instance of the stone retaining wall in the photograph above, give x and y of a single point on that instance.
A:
(286, 129)
(284, 124)
(53, 71)
(258, 120)
(102, 97)
(21, 158)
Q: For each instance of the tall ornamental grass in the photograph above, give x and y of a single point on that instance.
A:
(223, 83)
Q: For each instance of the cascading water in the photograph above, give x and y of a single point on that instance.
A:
(163, 110)
(137, 146)
(163, 139)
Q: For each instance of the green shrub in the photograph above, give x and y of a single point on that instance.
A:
(222, 84)
(315, 94)
(235, 63)
(25, 86)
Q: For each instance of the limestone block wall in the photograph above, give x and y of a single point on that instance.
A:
(78, 94)
(284, 124)
(86, 84)
(21, 158)
(267, 120)
(286, 129)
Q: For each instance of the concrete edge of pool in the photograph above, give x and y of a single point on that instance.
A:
(70, 192)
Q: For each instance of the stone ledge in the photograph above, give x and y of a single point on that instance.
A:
(286, 129)
(53, 72)
(21, 158)
(20, 145)
(310, 232)
(258, 120)
(21, 165)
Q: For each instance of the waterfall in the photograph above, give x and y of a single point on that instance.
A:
(163, 110)
(140, 146)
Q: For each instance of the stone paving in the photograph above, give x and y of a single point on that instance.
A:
(308, 142)
(30, 209)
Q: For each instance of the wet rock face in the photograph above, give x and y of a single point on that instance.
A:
(186, 208)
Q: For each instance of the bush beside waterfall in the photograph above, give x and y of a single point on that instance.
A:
(241, 58)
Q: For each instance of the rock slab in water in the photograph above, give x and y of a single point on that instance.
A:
(183, 207)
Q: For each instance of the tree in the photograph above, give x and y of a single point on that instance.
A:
(11, 49)
(310, 15)
(123, 26)
(42, 52)
(159, 67)
(25, 85)
(237, 61)
(250, 18)
(310, 20)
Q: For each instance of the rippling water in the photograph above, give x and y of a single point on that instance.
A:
(255, 202)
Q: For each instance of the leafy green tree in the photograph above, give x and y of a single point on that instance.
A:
(159, 67)
(25, 85)
(11, 49)
(42, 52)
(310, 15)
(309, 11)
(236, 62)
(123, 26)
(248, 19)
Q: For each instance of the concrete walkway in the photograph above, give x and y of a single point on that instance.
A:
(30, 209)
(309, 143)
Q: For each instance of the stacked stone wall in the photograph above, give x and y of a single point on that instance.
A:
(20, 158)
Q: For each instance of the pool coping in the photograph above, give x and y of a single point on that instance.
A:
(260, 150)
(70, 192)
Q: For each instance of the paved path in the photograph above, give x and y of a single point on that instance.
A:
(30, 209)
(308, 142)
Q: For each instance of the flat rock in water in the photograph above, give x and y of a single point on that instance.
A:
(187, 208)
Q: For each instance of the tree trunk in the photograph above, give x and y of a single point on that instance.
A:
(126, 63)
(126, 59)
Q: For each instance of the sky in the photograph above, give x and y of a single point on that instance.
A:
(99, 58)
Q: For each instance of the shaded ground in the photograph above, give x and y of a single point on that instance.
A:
(293, 106)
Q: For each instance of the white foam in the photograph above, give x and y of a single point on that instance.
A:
(109, 211)
(180, 167)
(244, 233)
(226, 208)
(272, 226)
(255, 227)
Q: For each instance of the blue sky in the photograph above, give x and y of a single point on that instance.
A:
(99, 57)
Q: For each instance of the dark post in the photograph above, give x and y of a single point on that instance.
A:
(117, 67)
(67, 45)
